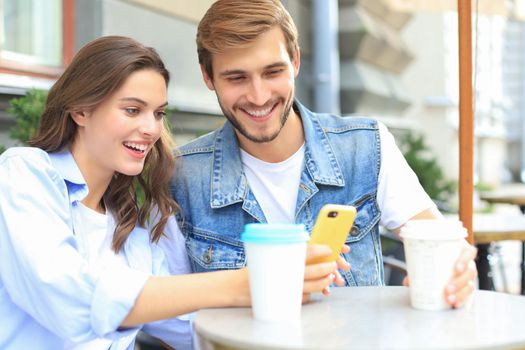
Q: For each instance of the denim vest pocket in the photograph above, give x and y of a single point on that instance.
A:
(366, 218)
(209, 251)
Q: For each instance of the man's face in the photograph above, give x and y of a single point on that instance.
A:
(255, 86)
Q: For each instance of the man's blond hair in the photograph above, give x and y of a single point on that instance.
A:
(237, 23)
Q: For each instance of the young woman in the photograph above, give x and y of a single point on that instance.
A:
(78, 265)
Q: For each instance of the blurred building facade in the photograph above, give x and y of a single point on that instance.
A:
(33, 52)
(398, 62)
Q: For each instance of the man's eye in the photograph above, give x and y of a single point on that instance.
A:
(235, 79)
(274, 72)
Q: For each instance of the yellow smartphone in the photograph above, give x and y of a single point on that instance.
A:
(332, 226)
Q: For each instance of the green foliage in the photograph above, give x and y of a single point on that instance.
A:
(483, 187)
(420, 158)
(27, 111)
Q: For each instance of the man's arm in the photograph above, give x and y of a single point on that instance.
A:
(431, 213)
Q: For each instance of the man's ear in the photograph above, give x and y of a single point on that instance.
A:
(207, 79)
(296, 62)
(79, 117)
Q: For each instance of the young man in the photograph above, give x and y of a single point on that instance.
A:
(276, 161)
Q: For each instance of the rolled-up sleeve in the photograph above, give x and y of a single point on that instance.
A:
(40, 265)
(176, 332)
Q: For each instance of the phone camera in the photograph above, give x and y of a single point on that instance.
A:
(332, 214)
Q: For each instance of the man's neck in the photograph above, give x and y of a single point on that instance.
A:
(289, 140)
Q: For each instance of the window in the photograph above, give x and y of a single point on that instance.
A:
(35, 35)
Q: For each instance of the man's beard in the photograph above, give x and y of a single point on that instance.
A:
(264, 138)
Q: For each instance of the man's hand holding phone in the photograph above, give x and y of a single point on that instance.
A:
(316, 274)
(327, 243)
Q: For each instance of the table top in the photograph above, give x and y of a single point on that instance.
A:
(510, 194)
(496, 227)
(372, 318)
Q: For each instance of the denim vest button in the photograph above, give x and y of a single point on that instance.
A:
(354, 231)
(305, 188)
(207, 256)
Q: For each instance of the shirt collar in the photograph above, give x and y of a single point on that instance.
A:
(67, 167)
(229, 184)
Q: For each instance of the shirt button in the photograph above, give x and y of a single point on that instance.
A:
(354, 231)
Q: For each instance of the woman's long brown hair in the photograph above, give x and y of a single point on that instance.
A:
(98, 70)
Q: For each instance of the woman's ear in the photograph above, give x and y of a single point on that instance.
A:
(79, 117)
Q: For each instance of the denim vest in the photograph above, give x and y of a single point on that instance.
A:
(341, 166)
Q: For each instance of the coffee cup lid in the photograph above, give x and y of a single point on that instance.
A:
(436, 229)
(274, 233)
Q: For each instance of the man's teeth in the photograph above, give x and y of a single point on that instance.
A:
(136, 146)
(260, 113)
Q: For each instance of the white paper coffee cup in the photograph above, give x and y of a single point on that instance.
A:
(432, 247)
(276, 255)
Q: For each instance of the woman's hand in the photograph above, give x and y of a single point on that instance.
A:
(318, 277)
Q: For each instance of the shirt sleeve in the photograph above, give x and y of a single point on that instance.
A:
(176, 332)
(173, 244)
(40, 266)
(400, 196)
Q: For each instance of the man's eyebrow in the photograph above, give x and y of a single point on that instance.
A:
(142, 102)
(276, 65)
(240, 71)
(232, 72)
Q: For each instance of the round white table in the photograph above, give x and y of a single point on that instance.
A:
(371, 318)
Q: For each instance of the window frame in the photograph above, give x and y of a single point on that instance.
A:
(68, 50)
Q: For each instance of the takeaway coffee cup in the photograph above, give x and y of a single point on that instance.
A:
(432, 248)
(276, 256)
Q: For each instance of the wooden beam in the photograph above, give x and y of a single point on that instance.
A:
(68, 31)
(466, 118)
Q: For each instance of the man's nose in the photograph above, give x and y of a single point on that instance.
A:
(258, 93)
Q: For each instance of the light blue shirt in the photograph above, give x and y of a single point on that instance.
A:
(49, 295)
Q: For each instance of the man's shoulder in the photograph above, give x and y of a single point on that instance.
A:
(336, 123)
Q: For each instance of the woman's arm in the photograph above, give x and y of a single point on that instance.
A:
(170, 296)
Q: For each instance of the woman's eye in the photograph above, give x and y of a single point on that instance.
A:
(132, 110)
(161, 114)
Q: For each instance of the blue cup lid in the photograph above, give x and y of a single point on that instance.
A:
(274, 233)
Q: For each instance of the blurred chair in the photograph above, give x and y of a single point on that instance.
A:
(147, 342)
(393, 258)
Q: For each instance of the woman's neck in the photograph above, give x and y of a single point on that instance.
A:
(97, 180)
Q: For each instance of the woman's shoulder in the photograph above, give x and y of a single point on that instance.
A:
(27, 165)
(29, 155)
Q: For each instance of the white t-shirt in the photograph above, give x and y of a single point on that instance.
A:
(399, 194)
(95, 245)
(271, 184)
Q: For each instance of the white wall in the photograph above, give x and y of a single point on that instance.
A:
(174, 38)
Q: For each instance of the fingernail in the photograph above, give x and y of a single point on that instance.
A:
(332, 276)
(451, 288)
(451, 299)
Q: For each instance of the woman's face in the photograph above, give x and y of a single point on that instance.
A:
(118, 134)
